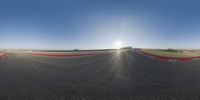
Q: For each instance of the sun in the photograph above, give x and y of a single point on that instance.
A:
(118, 44)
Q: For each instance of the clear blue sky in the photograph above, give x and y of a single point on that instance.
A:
(92, 24)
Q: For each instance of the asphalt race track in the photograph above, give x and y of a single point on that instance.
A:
(125, 75)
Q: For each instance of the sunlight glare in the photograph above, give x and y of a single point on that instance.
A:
(118, 44)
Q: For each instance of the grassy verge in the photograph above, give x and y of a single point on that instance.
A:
(174, 53)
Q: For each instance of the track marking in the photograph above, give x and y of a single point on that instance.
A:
(4, 55)
(69, 55)
(168, 58)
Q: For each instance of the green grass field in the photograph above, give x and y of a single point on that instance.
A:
(173, 54)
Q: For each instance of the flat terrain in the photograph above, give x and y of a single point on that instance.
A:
(164, 53)
(124, 75)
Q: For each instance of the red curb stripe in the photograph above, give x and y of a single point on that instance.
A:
(171, 58)
(2, 56)
(68, 55)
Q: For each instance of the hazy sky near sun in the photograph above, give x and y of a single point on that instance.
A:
(94, 24)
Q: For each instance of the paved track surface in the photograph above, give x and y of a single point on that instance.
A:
(124, 75)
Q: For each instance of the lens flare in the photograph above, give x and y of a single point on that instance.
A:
(118, 44)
